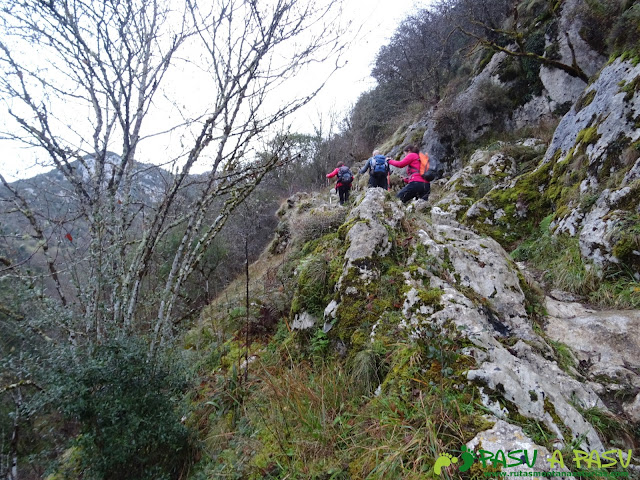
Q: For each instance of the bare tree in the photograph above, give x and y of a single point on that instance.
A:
(96, 87)
(421, 56)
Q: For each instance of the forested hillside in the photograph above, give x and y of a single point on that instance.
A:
(165, 321)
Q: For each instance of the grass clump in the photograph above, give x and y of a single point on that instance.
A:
(559, 258)
(565, 358)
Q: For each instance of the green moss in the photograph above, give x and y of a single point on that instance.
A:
(345, 227)
(565, 358)
(585, 100)
(328, 243)
(473, 425)
(525, 196)
(631, 88)
(588, 136)
(551, 410)
(486, 58)
(368, 300)
(233, 351)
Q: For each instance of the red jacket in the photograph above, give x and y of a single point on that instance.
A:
(333, 174)
(412, 162)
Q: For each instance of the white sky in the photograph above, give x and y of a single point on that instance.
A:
(379, 18)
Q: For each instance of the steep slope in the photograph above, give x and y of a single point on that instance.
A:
(403, 336)
(494, 328)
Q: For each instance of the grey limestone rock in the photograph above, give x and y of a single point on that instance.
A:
(368, 236)
(607, 110)
(495, 168)
(303, 321)
(509, 438)
(606, 343)
(523, 377)
(560, 86)
(632, 409)
(481, 265)
(609, 116)
(483, 298)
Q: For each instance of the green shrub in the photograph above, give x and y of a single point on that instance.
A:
(126, 408)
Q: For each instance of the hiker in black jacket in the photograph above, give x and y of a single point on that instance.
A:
(378, 167)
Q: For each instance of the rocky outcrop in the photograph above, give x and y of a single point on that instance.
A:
(485, 171)
(605, 345)
(589, 178)
(455, 279)
(510, 438)
(570, 46)
(600, 134)
(369, 235)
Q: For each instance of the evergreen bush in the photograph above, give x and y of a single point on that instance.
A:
(126, 407)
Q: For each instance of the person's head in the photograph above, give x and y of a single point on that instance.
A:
(410, 148)
(376, 152)
(340, 164)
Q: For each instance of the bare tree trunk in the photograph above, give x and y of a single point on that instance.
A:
(246, 306)
(15, 435)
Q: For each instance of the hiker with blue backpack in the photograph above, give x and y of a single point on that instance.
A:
(378, 167)
(345, 178)
(417, 186)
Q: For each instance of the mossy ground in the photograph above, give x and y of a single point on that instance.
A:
(387, 407)
(303, 414)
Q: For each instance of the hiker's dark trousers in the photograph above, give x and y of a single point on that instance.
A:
(343, 191)
(378, 180)
(414, 190)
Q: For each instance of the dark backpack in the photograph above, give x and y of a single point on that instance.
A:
(344, 175)
(379, 165)
(430, 168)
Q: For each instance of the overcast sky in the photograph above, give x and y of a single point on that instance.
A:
(379, 18)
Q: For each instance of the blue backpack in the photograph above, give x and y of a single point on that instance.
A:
(379, 165)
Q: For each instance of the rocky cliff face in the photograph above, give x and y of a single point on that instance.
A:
(400, 275)
(588, 178)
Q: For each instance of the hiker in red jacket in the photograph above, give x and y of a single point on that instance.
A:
(417, 187)
(343, 185)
